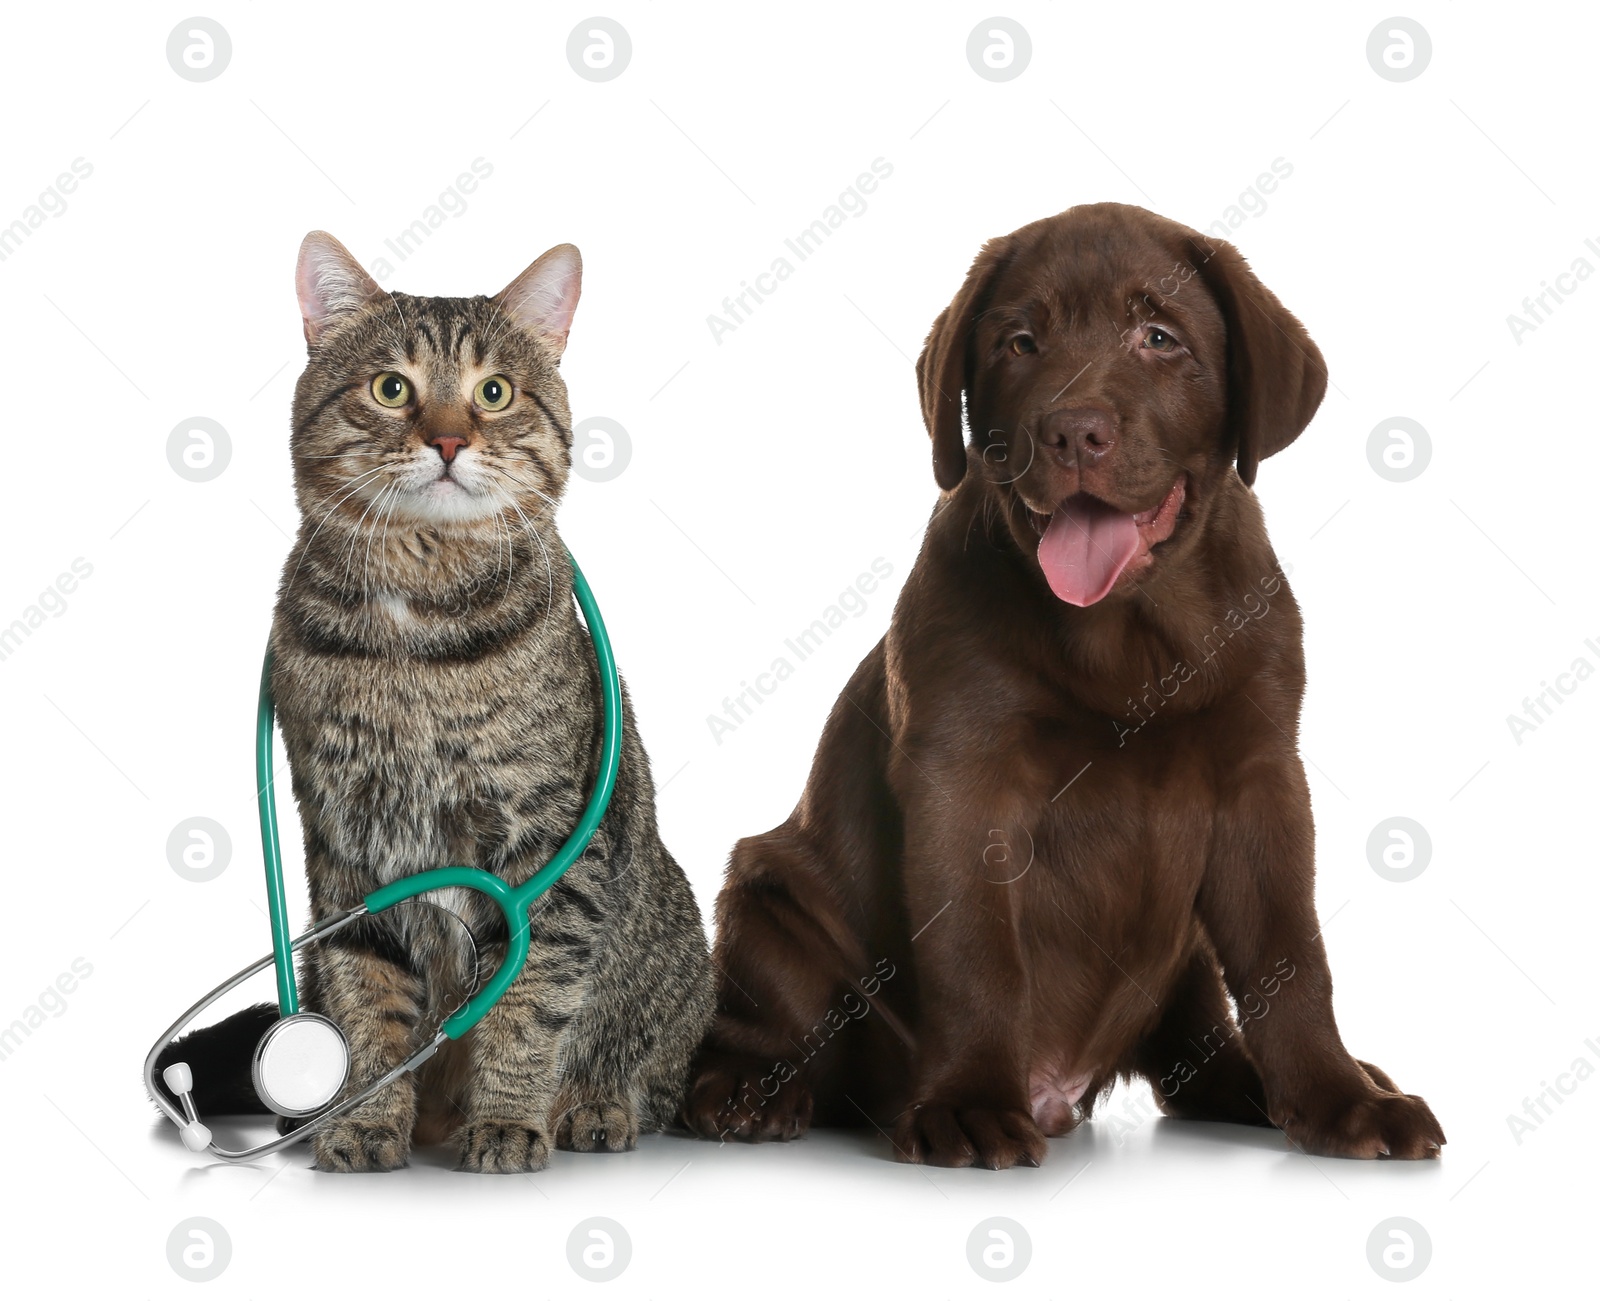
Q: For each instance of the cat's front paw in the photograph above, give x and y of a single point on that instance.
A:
(503, 1147)
(351, 1146)
(608, 1126)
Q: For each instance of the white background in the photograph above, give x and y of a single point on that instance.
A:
(767, 472)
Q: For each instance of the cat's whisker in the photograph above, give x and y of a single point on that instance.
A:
(355, 483)
(511, 555)
(493, 580)
(528, 487)
(368, 476)
(355, 537)
(383, 548)
(398, 339)
(501, 321)
(549, 572)
(352, 480)
(523, 483)
(389, 498)
(366, 555)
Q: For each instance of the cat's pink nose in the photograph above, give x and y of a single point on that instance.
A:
(448, 445)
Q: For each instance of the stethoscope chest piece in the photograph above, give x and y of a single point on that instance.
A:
(300, 1064)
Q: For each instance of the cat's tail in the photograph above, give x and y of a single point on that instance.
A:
(219, 1057)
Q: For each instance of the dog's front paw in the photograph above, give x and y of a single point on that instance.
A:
(506, 1147)
(1373, 1122)
(933, 1133)
(351, 1146)
(608, 1126)
(742, 1099)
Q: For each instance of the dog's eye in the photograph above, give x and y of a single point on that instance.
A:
(1160, 340)
(1023, 344)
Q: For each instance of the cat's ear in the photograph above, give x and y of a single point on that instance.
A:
(330, 283)
(544, 297)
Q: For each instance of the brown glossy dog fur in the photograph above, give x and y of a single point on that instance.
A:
(1042, 844)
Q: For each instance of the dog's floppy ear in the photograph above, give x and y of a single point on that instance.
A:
(942, 367)
(1276, 375)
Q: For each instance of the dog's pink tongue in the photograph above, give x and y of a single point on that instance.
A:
(1086, 546)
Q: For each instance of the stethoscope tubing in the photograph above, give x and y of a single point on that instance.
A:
(514, 901)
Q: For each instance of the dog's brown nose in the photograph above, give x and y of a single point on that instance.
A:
(1090, 431)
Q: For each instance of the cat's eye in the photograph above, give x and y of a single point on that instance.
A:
(493, 394)
(391, 389)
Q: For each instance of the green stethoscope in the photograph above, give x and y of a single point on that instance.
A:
(302, 1062)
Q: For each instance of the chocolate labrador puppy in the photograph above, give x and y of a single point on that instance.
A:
(1057, 820)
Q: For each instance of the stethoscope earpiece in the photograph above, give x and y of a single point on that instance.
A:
(180, 1080)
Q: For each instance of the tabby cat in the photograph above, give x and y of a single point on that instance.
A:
(440, 705)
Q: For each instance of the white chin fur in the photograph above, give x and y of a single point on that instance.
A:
(428, 498)
(447, 502)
